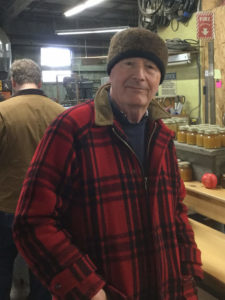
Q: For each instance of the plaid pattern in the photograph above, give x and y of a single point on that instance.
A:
(89, 216)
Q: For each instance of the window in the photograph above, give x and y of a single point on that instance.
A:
(55, 57)
(55, 75)
(56, 64)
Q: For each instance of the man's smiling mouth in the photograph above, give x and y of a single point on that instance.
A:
(137, 88)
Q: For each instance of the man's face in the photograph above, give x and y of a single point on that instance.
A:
(134, 82)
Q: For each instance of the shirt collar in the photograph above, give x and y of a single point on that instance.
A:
(120, 115)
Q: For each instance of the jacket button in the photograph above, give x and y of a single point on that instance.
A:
(58, 286)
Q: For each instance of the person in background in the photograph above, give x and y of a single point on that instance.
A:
(23, 120)
(101, 213)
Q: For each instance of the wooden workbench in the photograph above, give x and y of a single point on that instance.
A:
(207, 202)
(210, 203)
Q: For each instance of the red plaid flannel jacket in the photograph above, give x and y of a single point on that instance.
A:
(90, 217)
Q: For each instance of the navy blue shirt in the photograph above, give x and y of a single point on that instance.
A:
(135, 131)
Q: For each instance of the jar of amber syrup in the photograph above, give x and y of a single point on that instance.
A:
(218, 138)
(191, 135)
(222, 136)
(222, 181)
(171, 124)
(210, 140)
(182, 134)
(185, 170)
(199, 137)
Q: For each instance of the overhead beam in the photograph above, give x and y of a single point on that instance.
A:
(15, 9)
(49, 42)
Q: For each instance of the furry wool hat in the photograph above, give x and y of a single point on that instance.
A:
(138, 42)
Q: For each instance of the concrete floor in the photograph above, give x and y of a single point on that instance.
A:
(20, 285)
(202, 295)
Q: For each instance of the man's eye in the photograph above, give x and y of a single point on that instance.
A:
(128, 63)
(149, 66)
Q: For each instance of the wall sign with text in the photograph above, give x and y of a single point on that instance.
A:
(205, 25)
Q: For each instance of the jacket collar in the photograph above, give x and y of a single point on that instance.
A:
(103, 111)
(29, 92)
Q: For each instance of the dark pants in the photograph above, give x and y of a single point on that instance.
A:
(8, 253)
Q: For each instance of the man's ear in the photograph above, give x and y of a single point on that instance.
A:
(39, 85)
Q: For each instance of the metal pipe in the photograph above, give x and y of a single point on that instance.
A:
(211, 82)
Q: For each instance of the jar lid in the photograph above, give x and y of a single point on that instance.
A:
(183, 128)
(167, 121)
(192, 129)
(204, 125)
(184, 164)
(182, 120)
(211, 131)
(200, 130)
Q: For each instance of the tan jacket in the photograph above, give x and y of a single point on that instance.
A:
(23, 121)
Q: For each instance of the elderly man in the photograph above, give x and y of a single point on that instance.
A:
(23, 120)
(101, 215)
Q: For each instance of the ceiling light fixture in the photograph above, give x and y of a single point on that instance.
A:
(90, 30)
(179, 59)
(91, 57)
(79, 8)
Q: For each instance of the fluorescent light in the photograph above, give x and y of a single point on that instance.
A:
(79, 8)
(91, 57)
(90, 30)
(76, 10)
(178, 63)
(90, 3)
(179, 59)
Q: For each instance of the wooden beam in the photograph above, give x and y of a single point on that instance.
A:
(208, 5)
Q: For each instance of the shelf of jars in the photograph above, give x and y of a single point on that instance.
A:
(194, 161)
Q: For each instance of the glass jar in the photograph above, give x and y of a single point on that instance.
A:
(210, 140)
(181, 121)
(185, 170)
(218, 138)
(199, 137)
(171, 124)
(222, 136)
(191, 135)
(222, 181)
(182, 134)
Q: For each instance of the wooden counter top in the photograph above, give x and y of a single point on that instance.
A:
(211, 242)
(197, 187)
(208, 202)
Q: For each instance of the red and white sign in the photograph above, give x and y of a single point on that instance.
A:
(205, 25)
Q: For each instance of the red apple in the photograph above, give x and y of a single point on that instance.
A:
(209, 180)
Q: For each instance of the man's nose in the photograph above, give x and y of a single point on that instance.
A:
(139, 72)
